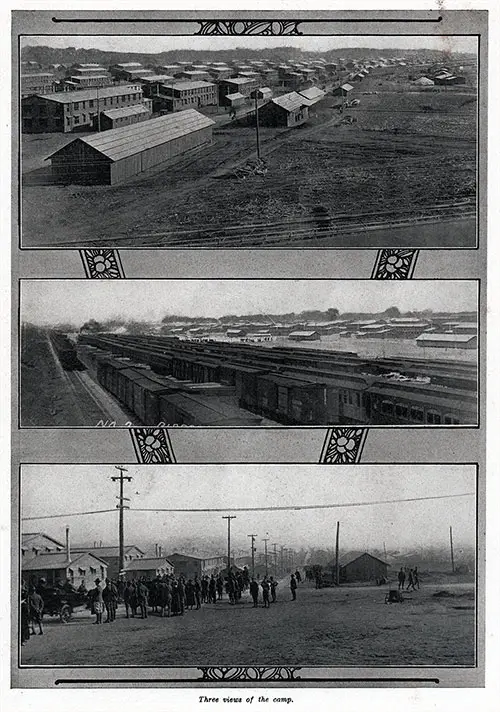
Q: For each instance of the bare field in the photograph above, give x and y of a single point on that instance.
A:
(399, 156)
(347, 626)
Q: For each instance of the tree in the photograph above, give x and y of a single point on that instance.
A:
(392, 312)
(92, 325)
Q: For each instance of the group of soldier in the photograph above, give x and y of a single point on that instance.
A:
(409, 575)
(165, 596)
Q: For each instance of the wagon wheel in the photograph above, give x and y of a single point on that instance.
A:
(65, 613)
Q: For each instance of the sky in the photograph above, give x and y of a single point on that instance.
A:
(154, 44)
(65, 489)
(45, 302)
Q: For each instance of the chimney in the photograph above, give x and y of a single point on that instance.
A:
(68, 546)
(159, 551)
(156, 550)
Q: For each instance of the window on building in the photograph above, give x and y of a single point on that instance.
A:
(387, 407)
(433, 417)
(417, 414)
(91, 103)
(93, 571)
(451, 420)
(401, 411)
(77, 119)
(76, 105)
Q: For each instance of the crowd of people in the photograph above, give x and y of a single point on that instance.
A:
(165, 596)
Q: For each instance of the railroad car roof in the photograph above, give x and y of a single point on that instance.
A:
(127, 141)
(430, 399)
(208, 410)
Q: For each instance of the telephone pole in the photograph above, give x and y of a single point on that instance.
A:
(229, 517)
(282, 563)
(337, 570)
(265, 552)
(451, 551)
(121, 506)
(252, 537)
(275, 560)
(257, 135)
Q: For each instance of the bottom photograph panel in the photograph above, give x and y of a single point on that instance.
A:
(220, 566)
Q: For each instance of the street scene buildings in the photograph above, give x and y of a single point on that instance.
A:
(285, 556)
(272, 144)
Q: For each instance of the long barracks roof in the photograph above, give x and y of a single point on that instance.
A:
(313, 93)
(189, 85)
(55, 560)
(92, 93)
(126, 111)
(448, 338)
(127, 141)
(291, 101)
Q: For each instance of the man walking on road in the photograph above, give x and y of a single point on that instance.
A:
(401, 579)
(274, 586)
(293, 587)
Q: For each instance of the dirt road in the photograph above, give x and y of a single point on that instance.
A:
(348, 626)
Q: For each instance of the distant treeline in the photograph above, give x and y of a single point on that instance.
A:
(72, 55)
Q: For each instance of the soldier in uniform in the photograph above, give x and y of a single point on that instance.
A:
(35, 602)
(254, 592)
(97, 602)
(142, 598)
(274, 586)
(265, 591)
(293, 587)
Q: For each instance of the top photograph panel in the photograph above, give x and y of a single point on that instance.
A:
(139, 141)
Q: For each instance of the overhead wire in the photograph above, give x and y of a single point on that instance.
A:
(283, 508)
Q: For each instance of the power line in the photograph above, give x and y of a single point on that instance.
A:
(267, 509)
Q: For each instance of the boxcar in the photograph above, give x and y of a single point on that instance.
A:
(389, 404)
(200, 409)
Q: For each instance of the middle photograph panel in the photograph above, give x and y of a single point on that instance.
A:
(248, 353)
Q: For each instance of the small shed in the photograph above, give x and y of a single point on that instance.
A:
(424, 82)
(343, 90)
(288, 110)
(113, 156)
(265, 93)
(362, 568)
(447, 341)
(234, 100)
(115, 118)
(304, 336)
(58, 566)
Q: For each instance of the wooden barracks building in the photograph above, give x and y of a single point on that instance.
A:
(74, 110)
(113, 156)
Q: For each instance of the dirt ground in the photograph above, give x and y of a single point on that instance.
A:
(348, 626)
(407, 151)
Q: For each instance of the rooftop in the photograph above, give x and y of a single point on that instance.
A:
(129, 140)
(92, 93)
(448, 338)
(189, 85)
(148, 563)
(291, 101)
(134, 110)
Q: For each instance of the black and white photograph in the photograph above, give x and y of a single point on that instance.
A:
(372, 566)
(248, 353)
(249, 141)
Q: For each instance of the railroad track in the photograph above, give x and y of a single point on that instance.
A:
(321, 226)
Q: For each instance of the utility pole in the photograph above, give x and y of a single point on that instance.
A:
(252, 537)
(265, 552)
(275, 560)
(257, 135)
(337, 570)
(121, 506)
(282, 565)
(98, 111)
(451, 551)
(229, 517)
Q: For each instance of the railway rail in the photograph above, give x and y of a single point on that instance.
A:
(321, 226)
